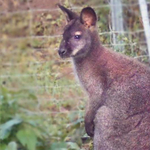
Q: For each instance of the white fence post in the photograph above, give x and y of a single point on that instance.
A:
(117, 21)
(146, 22)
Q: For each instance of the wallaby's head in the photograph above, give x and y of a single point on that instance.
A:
(79, 33)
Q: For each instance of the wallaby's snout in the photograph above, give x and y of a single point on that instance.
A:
(62, 51)
(65, 48)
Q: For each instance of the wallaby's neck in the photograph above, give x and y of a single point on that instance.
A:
(89, 67)
(93, 60)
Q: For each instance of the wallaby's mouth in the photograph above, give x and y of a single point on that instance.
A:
(63, 53)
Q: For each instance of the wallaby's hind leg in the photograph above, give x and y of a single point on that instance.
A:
(103, 129)
(104, 133)
(108, 137)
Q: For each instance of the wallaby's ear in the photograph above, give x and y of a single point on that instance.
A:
(69, 14)
(88, 17)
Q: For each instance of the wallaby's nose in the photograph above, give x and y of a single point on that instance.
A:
(62, 52)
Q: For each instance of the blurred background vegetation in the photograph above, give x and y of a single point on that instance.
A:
(41, 104)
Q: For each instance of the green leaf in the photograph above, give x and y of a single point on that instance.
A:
(3, 146)
(32, 96)
(59, 145)
(6, 128)
(27, 138)
(49, 17)
(73, 146)
(12, 146)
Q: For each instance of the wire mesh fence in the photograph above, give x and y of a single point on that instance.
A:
(30, 33)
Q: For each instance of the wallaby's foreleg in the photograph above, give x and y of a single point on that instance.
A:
(89, 121)
(93, 105)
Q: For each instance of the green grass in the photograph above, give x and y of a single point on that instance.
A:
(39, 97)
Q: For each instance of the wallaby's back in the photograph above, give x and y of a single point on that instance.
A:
(118, 110)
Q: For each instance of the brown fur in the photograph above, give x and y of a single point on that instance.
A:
(118, 110)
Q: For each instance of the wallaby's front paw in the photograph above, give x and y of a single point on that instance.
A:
(89, 127)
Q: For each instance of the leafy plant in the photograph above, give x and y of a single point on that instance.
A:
(17, 129)
(21, 129)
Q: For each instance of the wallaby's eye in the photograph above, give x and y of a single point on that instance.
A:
(77, 36)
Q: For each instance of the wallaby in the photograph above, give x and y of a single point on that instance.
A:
(118, 111)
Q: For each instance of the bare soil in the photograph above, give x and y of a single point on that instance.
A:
(13, 5)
